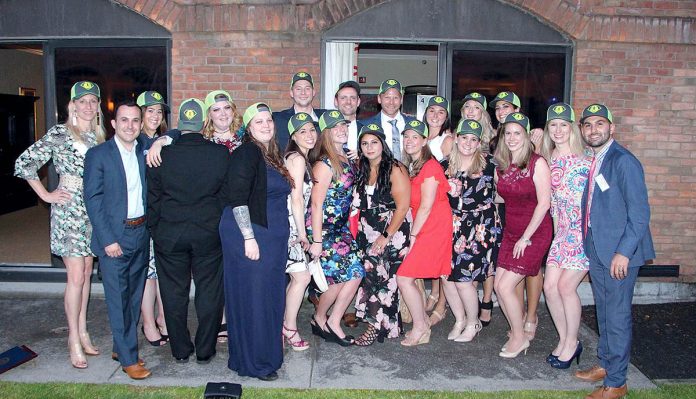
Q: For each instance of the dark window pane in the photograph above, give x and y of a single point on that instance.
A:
(536, 77)
(122, 73)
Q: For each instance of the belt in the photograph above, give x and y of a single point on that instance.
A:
(135, 221)
(70, 182)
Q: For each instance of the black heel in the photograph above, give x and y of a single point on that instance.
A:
(157, 342)
(485, 306)
(316, 330)
(331, 335)
(368, 337)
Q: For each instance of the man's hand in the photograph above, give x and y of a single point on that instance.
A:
(619, 267)
(113, 250)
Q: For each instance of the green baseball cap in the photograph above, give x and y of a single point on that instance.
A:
(330, 118)
(478, 97)
(519, 118)
(216, 96)
(301, 76)
(506, 96)
(192, 113)
(253, 110)
(297, 121)
(390, 84)
(147, 98)
(372, 128)
(83, 88)
(418, 127)
(560, 111)
(440, 102)
(469, 126)
(597, 110)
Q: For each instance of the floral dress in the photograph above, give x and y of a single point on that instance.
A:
(568, 180)
(475, 221)
(297, 261)
(377, 301)
(71, 231)
(339, 256)
(231, 144)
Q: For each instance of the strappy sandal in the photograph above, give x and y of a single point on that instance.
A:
(437, 317)
(530, 329)
(297, 346)
(368, 337)
(486, 306)
(430, 302)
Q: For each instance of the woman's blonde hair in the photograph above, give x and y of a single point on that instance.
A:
(96, 125)
(415, 165)
(503, 155)
(237, 122)
(327, 149)
(577, 146)
(455, 160)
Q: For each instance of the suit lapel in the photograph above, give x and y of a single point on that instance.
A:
(116, 159)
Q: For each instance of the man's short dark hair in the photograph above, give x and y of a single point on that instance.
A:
(127, 103)
(348, 83)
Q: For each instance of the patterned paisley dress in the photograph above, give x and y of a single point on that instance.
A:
(377, 301)
(568, 180)
(71, 231)
(297, 261)
(475, 221)
(339, 256)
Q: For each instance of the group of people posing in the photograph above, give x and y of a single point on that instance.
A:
(377, 205)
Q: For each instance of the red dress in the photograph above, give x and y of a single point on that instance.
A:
(517, 189)
(431, 255)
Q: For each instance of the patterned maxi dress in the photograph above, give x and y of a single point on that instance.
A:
(339, 255)
(297, 261)
(377, 301)
(71, 231)
(475, 221)
(568, 180)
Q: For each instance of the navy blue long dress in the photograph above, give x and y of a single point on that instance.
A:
(255, 290)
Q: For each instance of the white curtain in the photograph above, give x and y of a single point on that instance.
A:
(341, 62)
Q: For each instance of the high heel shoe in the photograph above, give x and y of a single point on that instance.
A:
(423, 339)
(456, 330)
(87, 346)
(297, 346)
(158, 342)
(159, 328)
(77, 356)
(551, 357)
(485, 306)
(430, 302)
(530, 329)
(316, 330)
(437, 317)
(368, 337)
(512, 355)
(469, 333)
(348, 340)
(564, 364)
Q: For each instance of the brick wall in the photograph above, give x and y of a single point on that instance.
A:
(637, 56)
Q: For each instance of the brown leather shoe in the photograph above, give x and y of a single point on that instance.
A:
(349, 320)
(593, 374)
(137, 372)
(608, 393)
(114, 357)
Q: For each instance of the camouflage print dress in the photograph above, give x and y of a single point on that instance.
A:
(71, 230)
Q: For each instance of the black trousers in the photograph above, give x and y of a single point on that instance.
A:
(196, 253)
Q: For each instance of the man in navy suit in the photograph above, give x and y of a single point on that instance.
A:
(347, 100)
(392, 121)
(115, 191)
(302, 94)
(617, 240)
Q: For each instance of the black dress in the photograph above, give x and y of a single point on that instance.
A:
(255, 290)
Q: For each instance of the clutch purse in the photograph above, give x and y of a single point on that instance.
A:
(317, 273)
(222, 390)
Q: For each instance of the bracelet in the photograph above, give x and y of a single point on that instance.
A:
(316, 242)
(528, 242)
(250, 238)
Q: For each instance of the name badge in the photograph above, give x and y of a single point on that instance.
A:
(602, 183)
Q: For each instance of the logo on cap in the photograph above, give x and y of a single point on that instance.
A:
(87, 85)
(438, 99)
(157, 96)
(559, 109)
(475, 95)
(473, 124)
(190, 114)
(502, 94)
(301, 117)
(414, 123)
(301, 75)
(334, 114)
(391, 82)
(594, 108)
(373, 126)
(518, 116)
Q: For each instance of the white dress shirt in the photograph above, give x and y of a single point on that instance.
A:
(387, 127)
(136, 208)
(353, 135)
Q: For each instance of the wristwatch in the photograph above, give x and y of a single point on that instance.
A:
(528, 242)
(385, 234)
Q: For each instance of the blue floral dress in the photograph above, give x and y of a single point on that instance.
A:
(339, 256)
(71, 231)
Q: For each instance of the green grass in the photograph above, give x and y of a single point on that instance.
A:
(12, 390)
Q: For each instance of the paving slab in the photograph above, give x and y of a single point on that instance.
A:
(37, 320)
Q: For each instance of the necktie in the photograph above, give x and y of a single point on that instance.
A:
(590, 190)
(396, 140)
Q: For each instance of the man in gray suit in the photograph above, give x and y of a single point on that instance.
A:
(617, 239)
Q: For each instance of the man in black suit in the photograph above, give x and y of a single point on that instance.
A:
(184, 208)
(302, 94)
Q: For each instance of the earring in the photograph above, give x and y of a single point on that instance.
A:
(74, 120)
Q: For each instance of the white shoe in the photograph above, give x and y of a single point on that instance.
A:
(469, 332)
(456, 330)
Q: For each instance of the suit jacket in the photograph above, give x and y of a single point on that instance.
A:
(378, 119)
(106, 194)
(620, 215)
(186, 190)
(281, 119)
